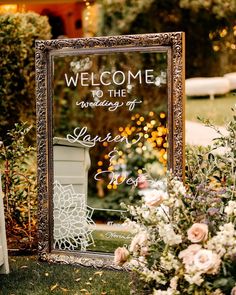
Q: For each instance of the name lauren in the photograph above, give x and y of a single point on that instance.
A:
(90, 141)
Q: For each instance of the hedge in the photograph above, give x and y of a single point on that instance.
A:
(18, 33)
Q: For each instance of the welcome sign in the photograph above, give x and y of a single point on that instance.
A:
(110, 123)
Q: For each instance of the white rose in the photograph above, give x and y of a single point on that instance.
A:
(155, 198)
(206, 261)
(188, 254)
(140, 240)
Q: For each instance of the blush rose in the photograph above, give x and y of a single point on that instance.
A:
(198, 232)
(155, 198)
(121, 256)
(233, 291)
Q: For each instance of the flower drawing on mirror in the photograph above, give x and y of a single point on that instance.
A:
(73, 224)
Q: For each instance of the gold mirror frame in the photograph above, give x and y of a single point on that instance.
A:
(171, 43)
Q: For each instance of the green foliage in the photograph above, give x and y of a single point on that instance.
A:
(209, 27)
(221, 9)
(119, 15)
(19, 187)
(18, 33)
(216, 165)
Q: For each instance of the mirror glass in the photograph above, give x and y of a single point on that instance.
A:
(110, 139)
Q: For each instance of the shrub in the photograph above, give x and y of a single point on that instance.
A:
(18, 33)
(19, 187)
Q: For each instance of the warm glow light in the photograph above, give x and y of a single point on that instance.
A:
(11, 8)
(109, 186)
(216, 48)
(162, 115)
(223, 33)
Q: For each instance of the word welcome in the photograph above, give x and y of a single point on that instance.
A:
(90, 141)
(106, 78)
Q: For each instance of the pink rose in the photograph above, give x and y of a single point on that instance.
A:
(198, 232)
(121, 256)
(188, 254)
(142, 182)
(154, 198)
(233, 291)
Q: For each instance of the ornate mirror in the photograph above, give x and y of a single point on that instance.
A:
(110, 120)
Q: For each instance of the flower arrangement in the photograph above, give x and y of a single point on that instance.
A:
(185, 235)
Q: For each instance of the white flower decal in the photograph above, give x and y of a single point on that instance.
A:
(72, 219)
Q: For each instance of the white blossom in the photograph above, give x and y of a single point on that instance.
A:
(168, 235)
(224, 242)
(194, 279)
(231, 208)
(169, 262)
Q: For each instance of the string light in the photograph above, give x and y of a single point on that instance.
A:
(87, 16)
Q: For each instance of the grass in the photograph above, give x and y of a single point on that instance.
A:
(218, 110)
(30, 277)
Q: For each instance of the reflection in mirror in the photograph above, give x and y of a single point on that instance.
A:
(110, 116)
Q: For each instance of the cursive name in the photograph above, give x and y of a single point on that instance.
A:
(112, 235)
(80, 135)
(118, 179)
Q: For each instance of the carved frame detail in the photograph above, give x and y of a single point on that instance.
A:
(174, 42)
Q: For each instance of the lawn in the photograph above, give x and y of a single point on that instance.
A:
(30, 277)
(217, 110)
